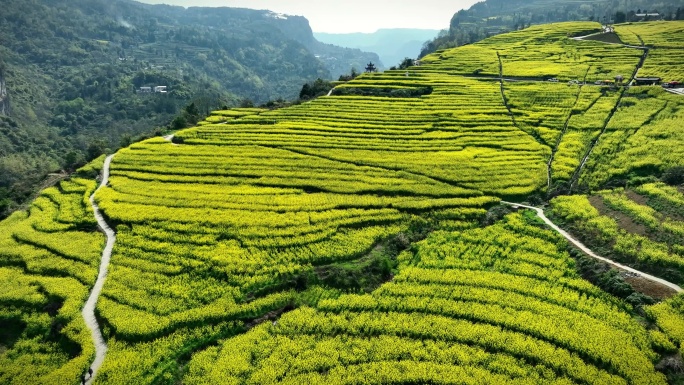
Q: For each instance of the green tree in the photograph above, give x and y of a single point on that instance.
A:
(305, 92)
(406, 63)
(674, 176)
(73, 160)
(317, 88)
(192, 113)
(352, 75)
(179, 123)
(246, 103)
(96, 148)
(126, 140)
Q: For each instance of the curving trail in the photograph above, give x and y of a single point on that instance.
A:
(607, 30)
(588, 251)
(88, 311)
(676, 91)
(169, 138)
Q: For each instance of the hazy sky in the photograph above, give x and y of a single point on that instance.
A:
(339, 16)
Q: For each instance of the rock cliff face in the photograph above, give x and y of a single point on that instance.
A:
(4, 97)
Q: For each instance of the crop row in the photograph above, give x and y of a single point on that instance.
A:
(652, 147)
(629, 247)
(654, 33)
(49, 257)
(494, 322)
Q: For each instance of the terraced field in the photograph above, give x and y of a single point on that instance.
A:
(642, 226)
(49, 257)
(355, 238)
(642, 137)
(496, 305)
(667, 42)
(543, 51)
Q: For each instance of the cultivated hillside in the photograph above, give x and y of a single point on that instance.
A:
(361, 237)
(73, 71)
(491, 17)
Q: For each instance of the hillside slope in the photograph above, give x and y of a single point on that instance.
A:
(356, 237)
(491, 17)
(73, 71)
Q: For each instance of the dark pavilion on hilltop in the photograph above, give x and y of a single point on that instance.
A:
(371, 67)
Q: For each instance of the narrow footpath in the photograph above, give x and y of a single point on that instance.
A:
(590, 253)
(169, 138)
(607, 31)
(676, 91)
(88, 311)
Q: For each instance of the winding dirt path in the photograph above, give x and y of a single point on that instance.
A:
(676, 91)
(605, 31)
(588, 251)
(169, 138)
(88, 311)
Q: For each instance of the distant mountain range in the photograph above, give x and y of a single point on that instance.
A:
(392, 45)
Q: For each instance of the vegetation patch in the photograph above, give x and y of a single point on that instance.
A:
(412, 92)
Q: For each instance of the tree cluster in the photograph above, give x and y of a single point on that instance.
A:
(406, 63)
(351, 76)
(315, 89)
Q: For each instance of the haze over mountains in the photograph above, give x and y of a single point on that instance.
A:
(392, 45)
(351, 15)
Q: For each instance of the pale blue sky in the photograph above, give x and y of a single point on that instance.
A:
(341, 16)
